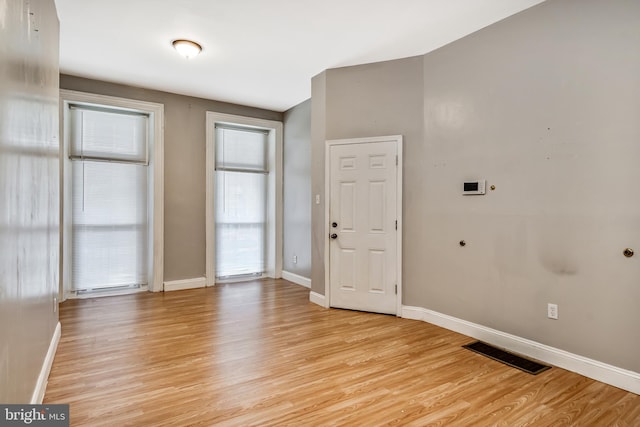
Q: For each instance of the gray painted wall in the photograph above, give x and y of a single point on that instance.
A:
(544, 105)
(184, 174)
(318, 138)
(297, 190)
(29, 193)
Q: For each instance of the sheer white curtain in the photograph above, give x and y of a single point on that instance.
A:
(240, 201)
(109, 154)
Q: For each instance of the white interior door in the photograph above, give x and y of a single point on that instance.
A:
(362, 226)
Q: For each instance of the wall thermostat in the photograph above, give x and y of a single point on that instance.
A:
(470, 188)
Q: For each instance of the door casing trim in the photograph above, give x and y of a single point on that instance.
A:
(327, 191)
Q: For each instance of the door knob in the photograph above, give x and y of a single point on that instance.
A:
(334, 236)
(334, 224)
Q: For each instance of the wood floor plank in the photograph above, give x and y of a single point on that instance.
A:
(259, 353)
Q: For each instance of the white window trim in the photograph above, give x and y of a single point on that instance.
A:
(273, 261)
(156, 113)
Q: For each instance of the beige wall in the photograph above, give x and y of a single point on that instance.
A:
(544, 105)
(184, 174)
(29, 193)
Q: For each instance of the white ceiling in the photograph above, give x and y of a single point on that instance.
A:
(261, 53)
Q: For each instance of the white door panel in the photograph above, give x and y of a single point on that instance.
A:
(363, 187)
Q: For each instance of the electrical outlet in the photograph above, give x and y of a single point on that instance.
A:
(552, 311)
(295, 259)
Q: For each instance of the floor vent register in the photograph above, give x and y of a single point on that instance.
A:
(526, 365)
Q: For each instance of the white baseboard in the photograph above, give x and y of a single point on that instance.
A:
(317, 299)
(618, 377)
(297, 279)
(43, 379)
(178, 285)
(105, 293)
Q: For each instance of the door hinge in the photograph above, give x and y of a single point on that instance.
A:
(396, 289)
(396, 224)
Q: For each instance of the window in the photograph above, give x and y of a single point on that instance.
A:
(112, 194)
(240, 201)
(109, 156)
(269, 132)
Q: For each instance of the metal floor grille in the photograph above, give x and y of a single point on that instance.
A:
(526, 365)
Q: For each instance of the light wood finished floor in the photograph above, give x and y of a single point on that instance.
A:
(259, 353)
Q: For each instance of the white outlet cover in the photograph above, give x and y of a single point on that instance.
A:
(552, 311)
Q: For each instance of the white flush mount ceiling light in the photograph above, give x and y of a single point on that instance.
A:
(187, 48)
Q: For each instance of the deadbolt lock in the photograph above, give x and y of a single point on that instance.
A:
(334, 224)
(628, 252)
